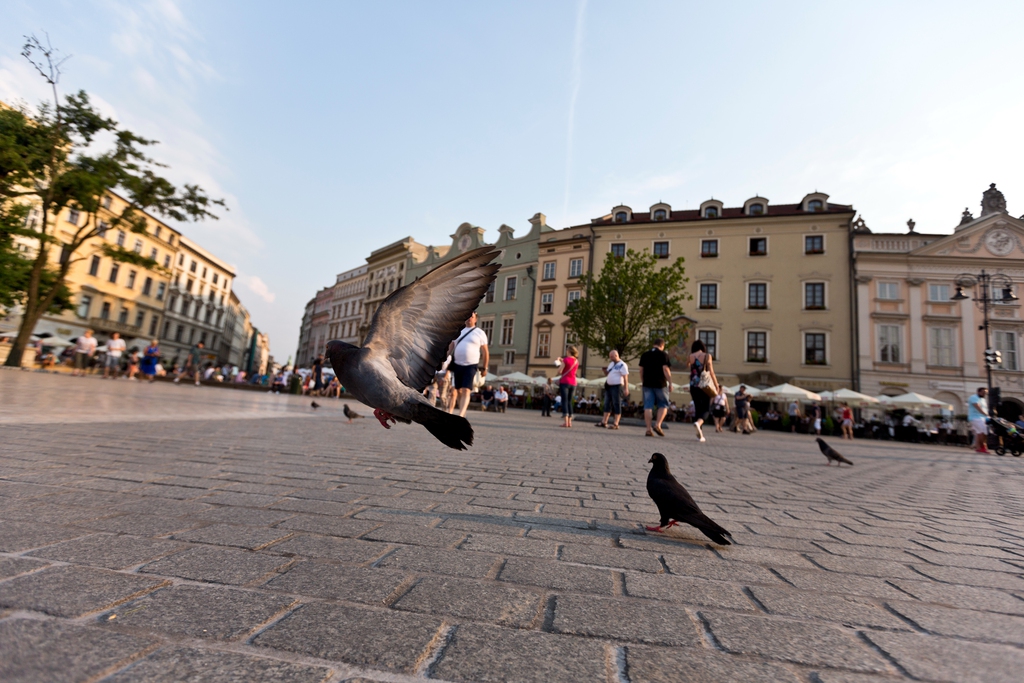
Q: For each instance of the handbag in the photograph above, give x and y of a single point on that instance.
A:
(478, 380)
(707, 384)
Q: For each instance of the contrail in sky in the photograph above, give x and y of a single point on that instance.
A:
(577, 59)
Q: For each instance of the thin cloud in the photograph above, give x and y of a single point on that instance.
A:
(575, 80)
(257, 286)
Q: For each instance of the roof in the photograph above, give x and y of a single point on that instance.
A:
(195, 248)
(735, 212)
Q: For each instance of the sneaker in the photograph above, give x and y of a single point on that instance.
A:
(702, 439)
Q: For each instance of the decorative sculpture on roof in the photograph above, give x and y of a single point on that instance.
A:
(966, 217)
(910, 225)
(992, 201)
(860, 226)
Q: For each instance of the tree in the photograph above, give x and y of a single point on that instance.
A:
(630, 302)
(49, 161)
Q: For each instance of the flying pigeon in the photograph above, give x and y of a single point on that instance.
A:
(407, 342)
(832, 454)
(351, 414)
(675, 504)
(315, 405)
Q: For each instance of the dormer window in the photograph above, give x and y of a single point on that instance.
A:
(660, 215)
(755, 210)
(815, 205)
(711, 212)
(621, 217)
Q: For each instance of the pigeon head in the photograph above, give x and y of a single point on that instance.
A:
(337, 350)
(660, 462)
(820, 442)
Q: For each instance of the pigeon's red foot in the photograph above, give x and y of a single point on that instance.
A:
(672, 522)
(653, 528)
(383, 417)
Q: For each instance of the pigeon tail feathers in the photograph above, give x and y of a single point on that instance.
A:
(451, 430)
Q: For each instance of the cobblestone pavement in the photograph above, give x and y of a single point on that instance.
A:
(176, 541)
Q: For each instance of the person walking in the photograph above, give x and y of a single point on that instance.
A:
(318, 376)
(546, 396)
(133, 364)
(814, 414)
(794, 415)
(567, 383)
(743, 419)
(720, 409)
(655, 377)
(700, 361)
(442, 380)
(85, 347)
(846, 415)
(192, 363)
(112, 364)
(466, 353)
(977, 416)
(616, 387)
(150, 357)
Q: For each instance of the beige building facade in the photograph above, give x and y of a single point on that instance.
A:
(911, 335)
(347, 304)
(562, 259)
(385, 269)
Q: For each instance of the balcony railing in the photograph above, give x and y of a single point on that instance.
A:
(114, 326)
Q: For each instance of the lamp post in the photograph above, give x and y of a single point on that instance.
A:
(986, 285)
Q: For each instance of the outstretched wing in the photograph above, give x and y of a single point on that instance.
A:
(415, 325)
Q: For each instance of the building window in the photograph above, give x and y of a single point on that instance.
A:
(202, 337)
(709, 248)
(549, 270)
(103, 227)
(814, 296)
(938, 293)
(204, 272)
(889, 291)
(178, 333)
(574, 296)
(660, 215)
(84, 302)
(113, 272)
(570, 340)
(711, 212)
(172, 303)
(106, 202)
(140, 317)
(170, 238)
(814, 244)
(757, 295)
(153, 322)
(192, 268)
(889, 343)
(621, 217)
(815, 205)
(1006, 344)
(120, 238)
(122, 317)
(153, 253)
(710, 339)
(188, 285)
(131, 279)
(661, 249)
(215, 276)
(814, 348)
(576, 267)
(757, 347)
(167, 329)
(619, 250)
(543, 344)
(755, 209)
(167, 261)
(510, 358)
(488, 327)
(489, 296)
(758, 246)
(181, 260)
(105, 311)
(510, 287)
(709, 295)
(209, 315)
(94, 266)
(941, 349)
(547, 302)
(73, 216)
(506, 331)
(138, 246)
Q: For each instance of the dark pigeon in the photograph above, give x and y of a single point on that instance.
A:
(408, 341)
(351, 414)
(315, 405)
(832, 454)
(676, 505)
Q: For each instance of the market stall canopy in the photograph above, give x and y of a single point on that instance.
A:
(516, 378)
(491, 377)
(731, 391)
(57, 342)
(853, 398)
(539, 381)
(913, 400)
(788, 392)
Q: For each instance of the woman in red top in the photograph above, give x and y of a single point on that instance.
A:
(847, 422)
(567, 384)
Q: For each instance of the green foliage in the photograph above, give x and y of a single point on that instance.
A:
(829, 425)
(631, 300)
(785, 421)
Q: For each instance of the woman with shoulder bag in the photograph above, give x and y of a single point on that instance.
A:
(567, 384)
(703, 384)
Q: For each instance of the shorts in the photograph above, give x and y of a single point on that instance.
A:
(847, 423)
(979, 426)
(81, 360)
(817, 425)
(113, 362)
(464, 375)
(742, 412)
(613, 399)
(719, 411)
(655, 398)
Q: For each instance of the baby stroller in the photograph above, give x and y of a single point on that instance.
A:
(1012, 440)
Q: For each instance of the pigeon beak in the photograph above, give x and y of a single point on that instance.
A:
(652, 459)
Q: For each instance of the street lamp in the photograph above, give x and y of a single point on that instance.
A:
(986, 285)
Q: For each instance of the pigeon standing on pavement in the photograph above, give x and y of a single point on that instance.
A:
(832, 454)
(351, 414)
(407, 342)
(315, 405)
(676, 505)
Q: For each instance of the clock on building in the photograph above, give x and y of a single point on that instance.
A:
(464, 242)
(999, 242)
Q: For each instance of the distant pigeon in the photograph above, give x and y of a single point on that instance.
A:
(351, 414)
(676, 505)
(408, 340)
(315, 405)
(832, 454)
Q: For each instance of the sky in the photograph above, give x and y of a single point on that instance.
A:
(334, 128)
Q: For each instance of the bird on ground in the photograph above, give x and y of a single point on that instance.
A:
(351, 414)
(832, 454)
(315, 405)
(408, 340)
(676, 505)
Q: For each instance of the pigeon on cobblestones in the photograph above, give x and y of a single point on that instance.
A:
(832, 454)
(676, 505)
(314, 405)
(407, 342)
(351, 414)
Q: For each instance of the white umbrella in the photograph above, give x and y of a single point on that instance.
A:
(540, 381)
(913, 400)
(57, 342)
(516, 377)
(788, 392)
(491, 377)
(731, 391)
(852, 398)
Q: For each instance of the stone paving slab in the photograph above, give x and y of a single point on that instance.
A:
(199, 535)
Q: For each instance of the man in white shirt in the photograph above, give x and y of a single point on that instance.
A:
(115, 347)
(85, 347)
(466, 351)
(500, 399)
(616, 387)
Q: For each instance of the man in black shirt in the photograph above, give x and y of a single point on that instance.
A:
(655, 376)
